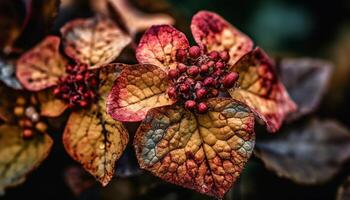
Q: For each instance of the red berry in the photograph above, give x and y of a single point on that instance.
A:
(202, 107)
(214, 92)
(27, 134)
(182, 68)
(194, 52)
(209, 81)
(193, 71)
(83, 103)
(200, 93)
(211, 63)
(79, 77)
(225, 56)
(219, 65)
(189, 81)
(204, 69)
(184, 88)
(172, 93)
(181, 55)
(214, 55)
(218, 73)
(173, 73)
(230, 79)
(190, 104)
(56, 91)
(93, 82)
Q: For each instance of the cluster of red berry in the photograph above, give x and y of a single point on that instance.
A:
(28, 116)
(200, 76)
(78, 87)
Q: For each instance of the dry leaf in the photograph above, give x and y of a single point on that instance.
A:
(260, 89)
(204, 152)
(93, 138)
(213, 33)
(306, 81)
(312, 154)
(42, 66)
(50, 106)
(138, 89)
(159, 45)
(93, 41)
(18, 157)
(8, 76)
(7, 104)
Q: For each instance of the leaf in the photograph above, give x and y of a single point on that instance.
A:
(137, 21)
(42, 66)
(138, 89)
(50, 106)
(7, 104)
(214, 33)
(306, 81)
(204, 152)
(8, 76)
(18, 157)
(93, 138)
(93, 41)
(343, 192)
(260, 89)
(311, 154)
(159, 45)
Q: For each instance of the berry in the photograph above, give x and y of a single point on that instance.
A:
(182, 68)
(214, 55)
(27, 134)
(190, 104)
(79, 77)
(225, 56)
(184, 88)
(181, 55)
(21, 101)
(230, 79)
(214, 92)
(83, 103)
(204, 69)
(211, 63)
(41, 127)
(173, 73)
(193, 71)
(18, 111)
(194, 52)
(201, 93)
(56, 91)
(209, 81)
(219, 65)
(172, 93)
(202, 107)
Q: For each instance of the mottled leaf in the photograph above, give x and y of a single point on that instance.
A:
(306, 81)
(42, 66)
(311, 154)
(343, 192)
(50, 106)
(204, 152)
(158, 46)
(93, 41)
(18, 157)
(260, 89)
(212, 32)
(138, 89)
(8, 75)
(93, 138)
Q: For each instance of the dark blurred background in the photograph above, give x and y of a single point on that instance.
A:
(284, 28)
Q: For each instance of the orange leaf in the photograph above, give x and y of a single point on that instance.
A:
(261, 90)
(214, 33)
(204, 152)
(93, 138)
(138, 89)
(42, 66)
(18, 157)
(50, 106)
(158, 46)
(93, 41)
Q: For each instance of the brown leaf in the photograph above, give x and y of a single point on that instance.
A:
(18, 157)
(7, 104)
(93, 138)
(312, 154)
(138, 89)
(134, 20)
(93, 41)
(204, 152)
(260, 89)
(306, 81)
(50, 106)
(42, 66)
